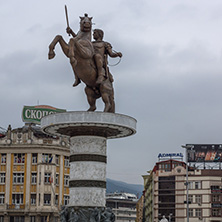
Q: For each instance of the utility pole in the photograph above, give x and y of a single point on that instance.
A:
(186, 184)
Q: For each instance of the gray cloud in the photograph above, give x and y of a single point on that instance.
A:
(169, 78)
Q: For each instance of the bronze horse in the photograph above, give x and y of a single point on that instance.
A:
(80, 52)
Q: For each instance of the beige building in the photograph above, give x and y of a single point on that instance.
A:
(165, 193)
(139, 209)
(148, 196)
(34, 174)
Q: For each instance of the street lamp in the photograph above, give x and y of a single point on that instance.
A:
(187, 147)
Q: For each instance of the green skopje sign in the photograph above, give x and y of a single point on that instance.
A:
(34, 114)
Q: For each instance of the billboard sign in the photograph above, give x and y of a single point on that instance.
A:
(34, 114)
(170, 155)
(204, 153)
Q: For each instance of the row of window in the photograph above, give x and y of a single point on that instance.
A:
(195, 212)
(215, 212)
(195, 198)
(168, 166)
(198, 198)
(17, 198)
(194, 185)
(46, 158)
(32, 219)
(18, 178)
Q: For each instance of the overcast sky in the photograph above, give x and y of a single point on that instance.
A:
(169, 79)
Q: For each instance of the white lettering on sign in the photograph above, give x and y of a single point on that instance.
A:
(37, 114)
(27, 113)
(162, 155)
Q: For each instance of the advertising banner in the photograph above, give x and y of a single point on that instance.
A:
(205, 153)
(34, 114)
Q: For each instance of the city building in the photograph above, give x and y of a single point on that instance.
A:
(165, 193)
(139, 209)
(148, 196)
(123, 206)
(34, 175)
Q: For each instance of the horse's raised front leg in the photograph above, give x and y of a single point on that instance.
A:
(71, 52)
(63, 44)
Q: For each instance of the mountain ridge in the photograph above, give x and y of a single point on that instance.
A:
(113, 186)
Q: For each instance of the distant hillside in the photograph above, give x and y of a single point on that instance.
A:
(118, 186)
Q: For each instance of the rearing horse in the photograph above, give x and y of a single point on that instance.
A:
(80, 52)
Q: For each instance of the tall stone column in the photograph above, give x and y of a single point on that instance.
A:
(87, 183)
(88, 132)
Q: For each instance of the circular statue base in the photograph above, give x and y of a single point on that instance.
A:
(88, 132)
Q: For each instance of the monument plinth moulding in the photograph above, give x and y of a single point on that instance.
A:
(88, 132)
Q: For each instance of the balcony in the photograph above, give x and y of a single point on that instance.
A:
(15, 206)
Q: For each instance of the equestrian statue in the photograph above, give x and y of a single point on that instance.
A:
(89, 62)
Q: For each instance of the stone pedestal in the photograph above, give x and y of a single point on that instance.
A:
(88, 132)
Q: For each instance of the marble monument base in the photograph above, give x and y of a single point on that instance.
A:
(88, 132)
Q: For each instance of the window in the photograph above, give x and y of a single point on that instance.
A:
(17, 219)
(43, 218)
(216, 212)
(198, 212)
(57, 159)
(47, 199)
(66, 180)
(3, 158)
(2, 177)
(198, 199)
(19, 158)
(39, 199)
(190, 198)
(17, 198)
(33, 199)
(18, 178)
(34, 178)
(32, 218)
(66, 200)
(40, 178)
(1, 218)
(216, 198)
(197, 184)
(190, 185)
(56, 199)
(47, 158)
(190, 212)
(2, 198)
(215, 187)
(47, 178)
(57, 179)
(34, 158)
(66, 161)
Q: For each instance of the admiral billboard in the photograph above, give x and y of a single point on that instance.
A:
(204, 153)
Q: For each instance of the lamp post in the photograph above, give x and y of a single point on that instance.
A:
(187, 187)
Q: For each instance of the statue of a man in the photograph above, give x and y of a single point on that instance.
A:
(164, 219)
(63, 214)
(108, 215)
(102, 50)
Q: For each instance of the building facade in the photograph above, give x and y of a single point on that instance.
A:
(165, 193)
(123, 206)
(139, 209)
(34, 175)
